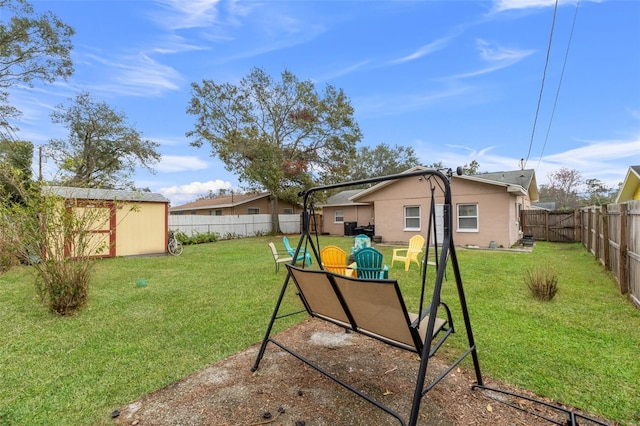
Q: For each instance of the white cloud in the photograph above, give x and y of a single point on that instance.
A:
(497, 56)
(606, 160)
(181, 194)
(188, 14)
(137, 75)
(424, 50)
(177, 163)
(342, 72)
(502, 5)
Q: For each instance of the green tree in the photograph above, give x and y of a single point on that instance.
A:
(32, 47)
(281, 136)
(562, 189)
(471, 168)
(598, 193)
(102, 149)
(382, 160)
(15, 168)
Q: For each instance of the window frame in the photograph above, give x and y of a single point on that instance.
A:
(335, 216)
(405, 217)
(253, 210)
(476, 217)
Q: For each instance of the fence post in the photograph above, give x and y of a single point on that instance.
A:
(605, 236)
(624, 262)
(596, 232)
(546, 226)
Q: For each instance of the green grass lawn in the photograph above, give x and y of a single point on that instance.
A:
(216, 299)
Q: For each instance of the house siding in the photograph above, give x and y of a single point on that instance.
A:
(497, 211)
(263, 205)
(362, 215)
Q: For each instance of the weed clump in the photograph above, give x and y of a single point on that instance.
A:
(542, 282)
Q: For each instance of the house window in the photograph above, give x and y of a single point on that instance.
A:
(288, 210)
(253, 210)
(338, 216)
(216, 212)
(467, 217)
(411, 218)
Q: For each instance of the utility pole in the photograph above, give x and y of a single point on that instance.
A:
(40, 163)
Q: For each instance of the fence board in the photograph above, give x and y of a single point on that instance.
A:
(236, 225)
(612, 235)
(555, 226)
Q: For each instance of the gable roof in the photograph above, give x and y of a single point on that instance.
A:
(630, 185)
(523, 181)
(342, 198)
(220, 202)
(103, 194)
(516, 181)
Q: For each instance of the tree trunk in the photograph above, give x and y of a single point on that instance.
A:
(275, 223)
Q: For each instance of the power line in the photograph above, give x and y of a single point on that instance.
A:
(564, 64)
(544, 74)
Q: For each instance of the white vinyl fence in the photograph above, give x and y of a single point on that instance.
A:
(236, 225)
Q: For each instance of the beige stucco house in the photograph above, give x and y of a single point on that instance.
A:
(235, 204)
(125, 223)
(486, 208)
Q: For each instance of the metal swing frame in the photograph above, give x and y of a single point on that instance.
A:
(446, 255)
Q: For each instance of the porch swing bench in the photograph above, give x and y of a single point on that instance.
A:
(373, 307)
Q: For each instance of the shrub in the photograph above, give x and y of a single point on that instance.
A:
(542, 282)
(55, 236)
(64, 284)
(197, 237)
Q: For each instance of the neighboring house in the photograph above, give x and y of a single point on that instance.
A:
(235, 205)
(137, 221)
(630, 189)
(486, 208)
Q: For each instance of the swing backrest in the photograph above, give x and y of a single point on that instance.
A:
(373, 307)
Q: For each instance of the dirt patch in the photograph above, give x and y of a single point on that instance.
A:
(284, 391)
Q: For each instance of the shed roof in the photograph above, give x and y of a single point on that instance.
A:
(103, 194)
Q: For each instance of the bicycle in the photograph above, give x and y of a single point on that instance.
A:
(174, 246)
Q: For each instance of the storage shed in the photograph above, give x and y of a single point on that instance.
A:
(138, 223)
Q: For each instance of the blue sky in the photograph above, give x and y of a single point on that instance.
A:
(456, 80)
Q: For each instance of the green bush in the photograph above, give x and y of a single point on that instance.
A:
(63, 285)
(542, 282)
(197, 237)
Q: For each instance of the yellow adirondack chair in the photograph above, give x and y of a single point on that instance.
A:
(334, 259)
(409, 254)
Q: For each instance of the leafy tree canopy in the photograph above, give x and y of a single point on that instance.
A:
(32, 47)
(562, 188)
(282, 136)
(382, 160)
(102, 150)
(15, 168)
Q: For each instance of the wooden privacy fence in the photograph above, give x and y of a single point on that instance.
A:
(556, 226)
(612, 234)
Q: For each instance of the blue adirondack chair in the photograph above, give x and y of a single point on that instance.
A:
(302, 255)
(369, 264)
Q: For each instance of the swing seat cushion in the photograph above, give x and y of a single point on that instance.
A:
(373, 307)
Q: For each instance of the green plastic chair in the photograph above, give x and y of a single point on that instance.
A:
(302, 255)
(369, 264)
